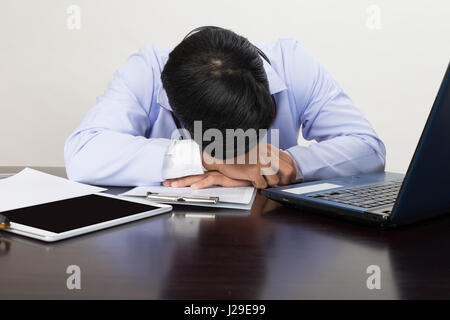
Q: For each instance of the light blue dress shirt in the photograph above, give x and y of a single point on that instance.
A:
(124, 138)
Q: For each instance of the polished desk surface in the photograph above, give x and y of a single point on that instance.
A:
(269, 253)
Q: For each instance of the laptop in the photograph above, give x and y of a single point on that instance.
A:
(388, 199)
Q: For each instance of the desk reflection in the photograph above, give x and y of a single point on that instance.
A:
(225, 259)
(269, 253)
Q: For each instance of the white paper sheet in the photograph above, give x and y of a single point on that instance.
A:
(312, 188)
(241, 195)
(31, 187)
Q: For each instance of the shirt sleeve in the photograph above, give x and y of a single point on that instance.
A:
(344, 141)
(182, 159)
(110, 146)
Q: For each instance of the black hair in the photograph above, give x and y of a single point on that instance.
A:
(217, 76)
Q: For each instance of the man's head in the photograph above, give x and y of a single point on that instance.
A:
(218, 77)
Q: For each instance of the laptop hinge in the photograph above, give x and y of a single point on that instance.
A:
(385, 211)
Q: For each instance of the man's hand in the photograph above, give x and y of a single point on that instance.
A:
(205, 180)
(271, 167)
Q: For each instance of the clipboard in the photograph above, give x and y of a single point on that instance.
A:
(161, 195)
(181, 199)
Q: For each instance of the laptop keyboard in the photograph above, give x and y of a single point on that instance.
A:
(371, 196)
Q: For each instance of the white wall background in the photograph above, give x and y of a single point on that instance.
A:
(50, 75)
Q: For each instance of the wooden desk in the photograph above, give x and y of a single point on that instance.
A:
(270, 253)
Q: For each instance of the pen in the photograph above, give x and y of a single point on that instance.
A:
(4, 222)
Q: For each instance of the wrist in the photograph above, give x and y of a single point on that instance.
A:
(208, 162)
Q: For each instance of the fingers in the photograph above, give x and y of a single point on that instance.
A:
(272, 180)
(183, 182)
(270, 166)
(219, 180)
(281, 163)
(258, 181)
(205, 180)
(271, 176)
(291, 165)
(249, 173)
(287, 172)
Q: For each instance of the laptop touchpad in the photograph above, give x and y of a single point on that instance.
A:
(312, 188)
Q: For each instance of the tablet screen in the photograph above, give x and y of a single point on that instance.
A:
(65, 215)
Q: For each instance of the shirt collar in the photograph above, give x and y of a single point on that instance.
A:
(276, 84)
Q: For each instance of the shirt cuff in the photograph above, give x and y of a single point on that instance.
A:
(182, 159)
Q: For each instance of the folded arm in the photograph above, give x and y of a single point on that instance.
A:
(110, 146)
(346, 143)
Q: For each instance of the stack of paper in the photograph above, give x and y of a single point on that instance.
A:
(31, 187)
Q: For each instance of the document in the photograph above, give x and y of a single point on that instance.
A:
(239, 195)
(31, 187)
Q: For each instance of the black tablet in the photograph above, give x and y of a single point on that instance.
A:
(72, 217)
